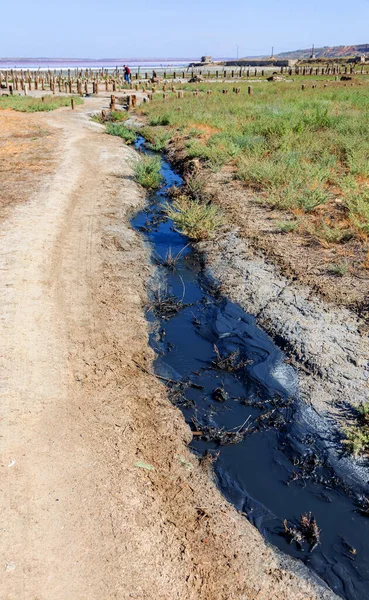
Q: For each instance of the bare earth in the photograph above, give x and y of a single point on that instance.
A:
(100, 497)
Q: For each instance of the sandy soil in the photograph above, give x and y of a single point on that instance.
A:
(100, 497)
(27, 148)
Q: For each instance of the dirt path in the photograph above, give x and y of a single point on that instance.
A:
(100, 498)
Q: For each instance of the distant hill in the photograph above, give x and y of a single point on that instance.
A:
(327, 52)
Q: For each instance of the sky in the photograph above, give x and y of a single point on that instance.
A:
(176, 28)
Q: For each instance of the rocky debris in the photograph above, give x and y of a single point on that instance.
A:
(276, 78)
(196, 79)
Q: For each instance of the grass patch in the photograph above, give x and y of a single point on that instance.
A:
(147, 172)
(120, 130)
(197, 220)
(339, 269)
(357, 435)
(29, 104)
(286, 226)
(157, 137)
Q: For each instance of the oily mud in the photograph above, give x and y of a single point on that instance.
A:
(241, 399)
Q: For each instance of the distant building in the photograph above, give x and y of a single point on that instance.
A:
(206, 59)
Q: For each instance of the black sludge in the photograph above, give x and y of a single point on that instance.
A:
(241, 400)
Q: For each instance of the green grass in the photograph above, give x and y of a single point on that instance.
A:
(157, 137)
(29, 104)
(147, 172)
(128, 135)
(297, 149)
(112, 116)
(197, 220)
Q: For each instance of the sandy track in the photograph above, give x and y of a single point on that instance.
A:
(79, 519)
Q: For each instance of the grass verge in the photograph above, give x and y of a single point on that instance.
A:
(298, 150)
(29, 104)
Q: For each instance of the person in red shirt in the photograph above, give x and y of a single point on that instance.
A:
(127, 74)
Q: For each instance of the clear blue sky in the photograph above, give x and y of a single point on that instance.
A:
(144, 28)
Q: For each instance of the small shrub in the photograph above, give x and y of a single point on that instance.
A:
(339, 269)
(125, 133)
(357, 435)
(157, 137)
(118, 115)
(147, 172)
(160, 120)
(195, 186)
(196, 220)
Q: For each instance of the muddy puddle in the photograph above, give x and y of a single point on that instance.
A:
(240, 398)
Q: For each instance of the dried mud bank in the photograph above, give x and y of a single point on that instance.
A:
(322, 341)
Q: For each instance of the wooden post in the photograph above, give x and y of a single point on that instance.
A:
(249, 90)
(134, 100)
(209, 92)
(112, 103)
(10, 89)
(72, 103)
(165, 97)
(180, 94)
(303, 87)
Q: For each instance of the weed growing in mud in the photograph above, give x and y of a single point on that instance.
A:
(120, 130)
(307, 531)
(147, 172)
(29, 104)
(357, 435)
(220, 436)
(196, 220)
(170, 260)
(165, 305)
(231, 362)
